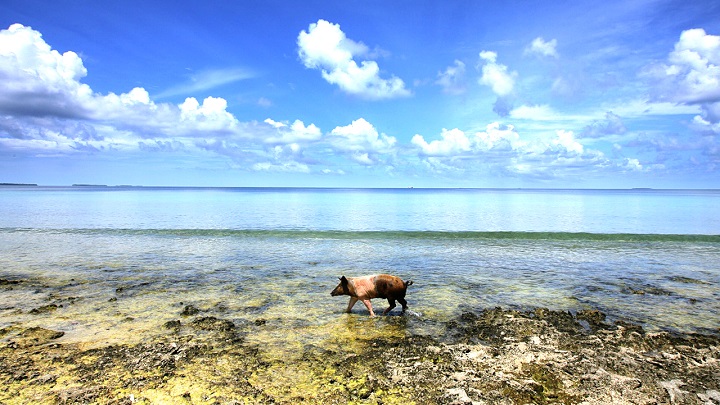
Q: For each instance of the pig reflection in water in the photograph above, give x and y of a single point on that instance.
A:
(366, 288)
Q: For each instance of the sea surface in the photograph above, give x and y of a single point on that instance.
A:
(120, 262)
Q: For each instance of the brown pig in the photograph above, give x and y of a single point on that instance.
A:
(366, 288)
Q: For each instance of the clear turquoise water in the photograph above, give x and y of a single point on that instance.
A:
(122, 261)
(594, 211)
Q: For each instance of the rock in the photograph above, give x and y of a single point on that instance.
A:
(172, 324)
(487, 357)
(458, 396)
(77, 395)
(709, 396)
(592, 316)
(213, 324)
(189, 310)
(460, 376)
(37, 336)
(629, 327)
(45, 379)
(44, 309)
(673, 389)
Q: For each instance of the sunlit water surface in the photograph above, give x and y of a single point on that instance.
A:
(121, 263)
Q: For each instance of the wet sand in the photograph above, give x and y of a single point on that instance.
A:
(495, 356)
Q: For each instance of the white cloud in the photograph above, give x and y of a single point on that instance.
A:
(566, 140)
(44, 107)
(455, 143)
(361, 142)
(633, 164)
(208, 79)
(324, 46)
(611, 125)
(545, 113)
(37, 80)
(495, 75)
(703, 125)
(452, 79)
(691, 75)
(361, 136)
(695, 67)
(363, 159)
(534, 112)
(543, 48)
(287, 167)
(640, 107)
(211, 115)
(293, 133)
(500, 149)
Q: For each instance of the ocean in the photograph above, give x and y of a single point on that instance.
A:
(117, 263)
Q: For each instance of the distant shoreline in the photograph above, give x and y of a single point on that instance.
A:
(19, 184)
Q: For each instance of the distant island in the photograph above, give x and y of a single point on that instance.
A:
(19, 184)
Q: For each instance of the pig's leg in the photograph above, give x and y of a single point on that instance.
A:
(392, 305)
(369, 306)
(403, 303)
(352, 302)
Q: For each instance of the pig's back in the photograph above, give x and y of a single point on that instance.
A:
(388, 286)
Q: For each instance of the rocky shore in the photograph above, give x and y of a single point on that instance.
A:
(497, 356)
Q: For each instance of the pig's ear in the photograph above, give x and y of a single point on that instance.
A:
(343, 280)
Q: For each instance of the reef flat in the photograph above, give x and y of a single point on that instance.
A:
(494, 356)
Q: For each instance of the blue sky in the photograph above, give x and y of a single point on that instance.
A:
(361, 93)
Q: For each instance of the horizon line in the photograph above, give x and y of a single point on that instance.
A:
(128, 186)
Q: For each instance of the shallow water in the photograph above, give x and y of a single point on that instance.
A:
(115, 287)
(119, 264)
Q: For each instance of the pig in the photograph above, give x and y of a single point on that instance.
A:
(375, 286)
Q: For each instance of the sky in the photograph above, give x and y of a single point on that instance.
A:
(546, 94)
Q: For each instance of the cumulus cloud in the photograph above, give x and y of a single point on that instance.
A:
(362, 141)
(454, 142)
(211, 115)
(566, 140)
(36, 80)
(611, 125)
(502, 82)
(292, 133)
(694, 68)
(452, 79)
(45, 108)
(540, 47)
(324, 46)
(500, 149)
(288, 166)
(495, 75)
(692, 73)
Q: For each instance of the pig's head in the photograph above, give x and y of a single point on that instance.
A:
(342, 288)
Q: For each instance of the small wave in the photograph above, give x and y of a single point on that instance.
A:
(381, 234)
